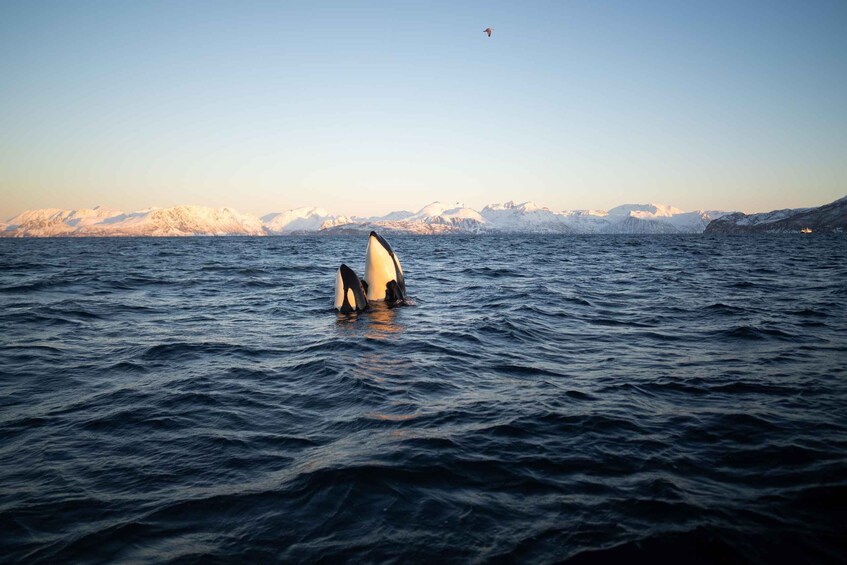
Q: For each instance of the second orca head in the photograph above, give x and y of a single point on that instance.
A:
(349, 294)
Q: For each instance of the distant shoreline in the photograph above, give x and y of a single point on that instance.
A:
(319, 235)
(433, 219)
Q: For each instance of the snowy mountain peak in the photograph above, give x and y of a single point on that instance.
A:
(304, 212)
(297, 220)
(436, 209)
(645, 211)
(394, 216)
(501, 205)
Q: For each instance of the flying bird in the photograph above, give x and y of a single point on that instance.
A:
(487, 30)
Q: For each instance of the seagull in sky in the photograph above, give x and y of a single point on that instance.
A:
(487, 30)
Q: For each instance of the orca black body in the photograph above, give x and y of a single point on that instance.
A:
(393, 293)
(349, 294)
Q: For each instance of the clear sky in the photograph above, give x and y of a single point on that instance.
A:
(367, 107)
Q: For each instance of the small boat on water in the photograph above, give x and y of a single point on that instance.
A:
(806, 230)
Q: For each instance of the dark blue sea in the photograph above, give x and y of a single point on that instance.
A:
(596, 398)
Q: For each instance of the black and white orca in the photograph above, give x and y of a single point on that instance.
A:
(349, 292)
(384, 278)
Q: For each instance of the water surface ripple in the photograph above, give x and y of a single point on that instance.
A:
(546, 398)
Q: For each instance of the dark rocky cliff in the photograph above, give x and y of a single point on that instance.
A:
(827, 218)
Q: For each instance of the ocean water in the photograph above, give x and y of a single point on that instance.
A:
(544, 398)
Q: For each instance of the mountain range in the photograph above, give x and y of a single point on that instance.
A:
(434, 218)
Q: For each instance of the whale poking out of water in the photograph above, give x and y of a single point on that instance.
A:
(384, 280)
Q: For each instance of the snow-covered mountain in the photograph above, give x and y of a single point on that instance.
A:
(511, 217)
(434, 218)
(300, 220)
(52, 222)
(629, 218)
(528, 217)
(645, 211)
(396, 216)
(174, 221)
(456, 215)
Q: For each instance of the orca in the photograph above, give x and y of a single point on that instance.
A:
(349, 293)
(384, 278)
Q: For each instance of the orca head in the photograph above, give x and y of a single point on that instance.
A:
(349, 294)
(382, 267)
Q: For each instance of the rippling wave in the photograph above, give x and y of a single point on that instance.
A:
(545, 398)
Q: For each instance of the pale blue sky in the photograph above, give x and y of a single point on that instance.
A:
(367, 107)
